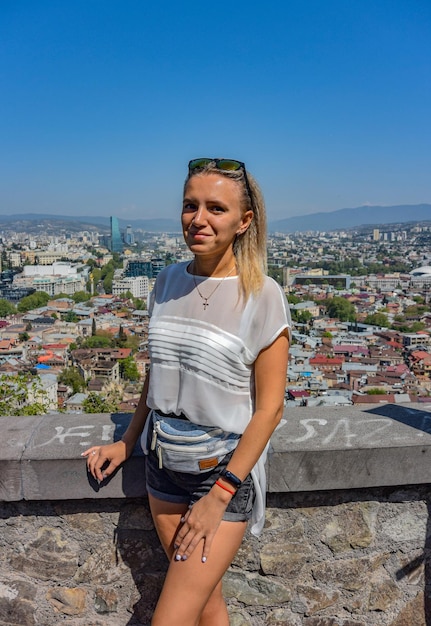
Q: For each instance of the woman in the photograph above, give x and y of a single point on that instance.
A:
(218, 342)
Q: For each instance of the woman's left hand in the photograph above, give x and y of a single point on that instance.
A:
(200, 523)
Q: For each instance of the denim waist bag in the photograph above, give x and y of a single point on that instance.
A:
(182, 446)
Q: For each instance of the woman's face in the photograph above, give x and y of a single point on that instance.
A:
(212, 215)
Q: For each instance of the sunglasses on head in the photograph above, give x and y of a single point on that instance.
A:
(226, 165)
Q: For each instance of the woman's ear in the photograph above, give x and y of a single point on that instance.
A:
(246, 221)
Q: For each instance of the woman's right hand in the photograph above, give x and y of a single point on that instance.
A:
(97, 456)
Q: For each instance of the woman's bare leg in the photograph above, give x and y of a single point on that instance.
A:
(192, 592)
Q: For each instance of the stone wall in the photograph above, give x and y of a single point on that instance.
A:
(346, 556)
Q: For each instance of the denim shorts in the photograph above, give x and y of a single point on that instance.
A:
(182, 488)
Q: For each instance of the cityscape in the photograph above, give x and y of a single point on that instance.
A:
(74, 319)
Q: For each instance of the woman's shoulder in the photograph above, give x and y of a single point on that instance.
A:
(272, 297)
(270, 287)
(174, 269)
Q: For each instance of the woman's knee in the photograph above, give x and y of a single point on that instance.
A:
(215, 611)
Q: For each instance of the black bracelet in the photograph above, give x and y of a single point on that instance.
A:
(231, 478)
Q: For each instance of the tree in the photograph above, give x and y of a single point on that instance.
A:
(34, 301)
(375, 391)
(81, 296)
(71, 377)
(71, 317)
(6, 308)
(303, 317)
(96, 404)
(107, 283)
(97, 341)
(417, 326)
(341, 308)
(292, 299)
(276, 273)
(22, 394)
(128, 369)
(138, 304)
(378, 319)
(61, 296)
(122, 337)
(132, 342)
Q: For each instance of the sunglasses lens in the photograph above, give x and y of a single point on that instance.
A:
(229, 165)
(198, 163)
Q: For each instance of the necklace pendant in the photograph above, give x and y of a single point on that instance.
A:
(205, 299)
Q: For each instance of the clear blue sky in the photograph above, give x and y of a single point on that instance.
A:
(103, 102)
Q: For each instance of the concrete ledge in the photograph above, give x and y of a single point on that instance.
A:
(349, 447)
(314, 449)
(40, 458)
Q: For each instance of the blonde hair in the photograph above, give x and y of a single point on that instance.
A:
(249, 247)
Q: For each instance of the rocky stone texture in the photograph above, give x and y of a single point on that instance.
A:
(354, 558)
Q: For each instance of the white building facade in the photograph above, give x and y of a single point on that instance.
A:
(138, 286)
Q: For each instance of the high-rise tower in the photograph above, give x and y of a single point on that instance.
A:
(116, 241)
(130, 238)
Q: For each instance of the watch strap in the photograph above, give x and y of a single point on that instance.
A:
(231, 478)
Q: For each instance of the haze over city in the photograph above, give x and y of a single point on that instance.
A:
(103, 103)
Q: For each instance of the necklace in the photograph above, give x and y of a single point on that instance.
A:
(205, 299)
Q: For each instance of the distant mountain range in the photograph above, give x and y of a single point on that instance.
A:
(354, 218)
(332, 220)
(35, 222)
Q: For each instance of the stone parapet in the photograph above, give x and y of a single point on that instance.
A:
(345, 541)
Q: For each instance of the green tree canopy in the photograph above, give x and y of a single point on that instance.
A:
(22, 394)
(107, 283)
(340, 308)
(96, 404)
(121, 339)
(276, 273)
(61, 296)
(128, 369)
(6, 308)
(34, 301)
(378, 319)
(81, 296)
(71, 377)
(292, 299)
(138, 304)
(97, 341)
(303, 317)
(71, 317)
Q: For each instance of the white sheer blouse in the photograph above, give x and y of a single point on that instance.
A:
(201, 359)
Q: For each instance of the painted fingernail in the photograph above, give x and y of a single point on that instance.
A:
(177, 557)
(204, 559)
(104, 476)
(182, 519)
(176, 546)
(184, 557)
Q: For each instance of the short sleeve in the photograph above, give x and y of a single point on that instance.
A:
(151, 300)
(266, 317)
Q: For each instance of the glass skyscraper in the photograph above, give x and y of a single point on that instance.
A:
(116, 240)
